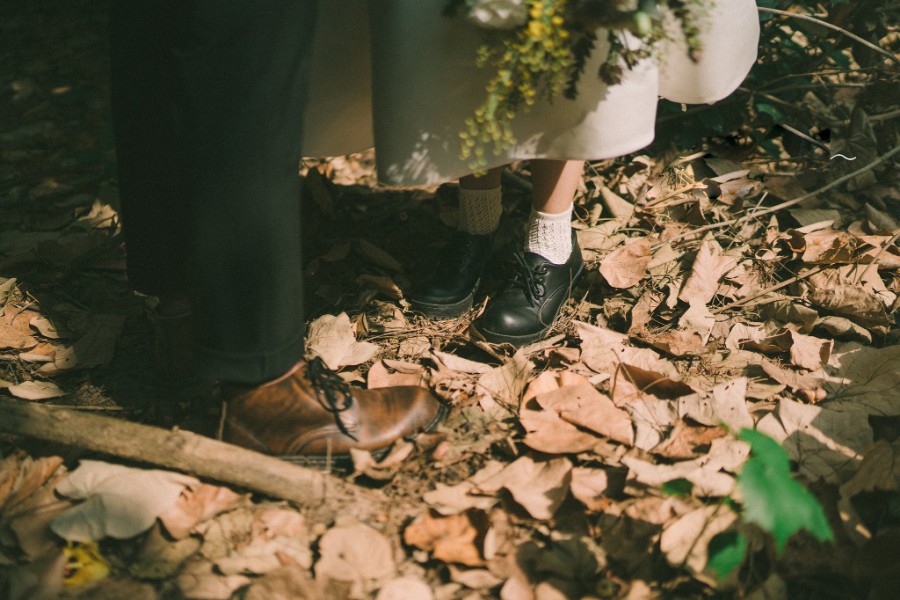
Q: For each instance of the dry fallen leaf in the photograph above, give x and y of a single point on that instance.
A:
(15, 330)
(452, 499)
(862, 379)
(709, 267)
(379, 376)
(583, 406)
(285, 583)
(21, 475)
(588, 486)
(808, 352)
(539, 486)
(726, 403)
(546, 431)
(879, 471)
(385, 469)
(502, 387)
(404, 588)
(161, 557)
(200, 581)
(36, 390)
(331, 338)
(451, 539)
(119, 501)
(825, 443)
(685, 542)
(355, 553)
(196, 504)
(626, 265)
(457, 363)
(710, 474)
(379, 256)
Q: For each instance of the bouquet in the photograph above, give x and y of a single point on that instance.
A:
(539, 48)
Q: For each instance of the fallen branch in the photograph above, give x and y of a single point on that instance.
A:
(173, 449)
(772, 209)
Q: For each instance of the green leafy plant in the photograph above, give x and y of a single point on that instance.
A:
(808, 78)
(772, 500)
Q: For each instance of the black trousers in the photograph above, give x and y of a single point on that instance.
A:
(207, 104)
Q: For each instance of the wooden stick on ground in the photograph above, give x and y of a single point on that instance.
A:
(173, 449)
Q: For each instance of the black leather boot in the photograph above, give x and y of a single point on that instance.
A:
(448, 291)
(525, 309)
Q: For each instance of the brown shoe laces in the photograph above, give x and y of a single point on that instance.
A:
(336, 396)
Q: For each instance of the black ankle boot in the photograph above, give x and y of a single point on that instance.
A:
(449, 289)
(525, 309)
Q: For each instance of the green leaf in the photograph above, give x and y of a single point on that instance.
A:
(726, 553)
(677, 487)
(772, 498)
(766, 108)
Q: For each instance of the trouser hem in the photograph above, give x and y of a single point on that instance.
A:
(249, 367)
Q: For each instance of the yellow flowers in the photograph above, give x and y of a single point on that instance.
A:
(543, 49)
(84, 564)
(530, 61)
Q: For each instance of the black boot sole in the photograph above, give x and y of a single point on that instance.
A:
(445, 311)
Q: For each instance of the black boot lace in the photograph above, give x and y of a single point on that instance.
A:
(529, 279)
(333, 394)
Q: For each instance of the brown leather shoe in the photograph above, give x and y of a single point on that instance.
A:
(310, 415)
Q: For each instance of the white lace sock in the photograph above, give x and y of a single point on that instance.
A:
(550, 235)
(479, 211)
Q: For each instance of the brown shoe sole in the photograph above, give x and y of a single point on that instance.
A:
(344, 462)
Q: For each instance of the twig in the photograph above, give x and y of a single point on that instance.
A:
(804, 136)
(828, 25)
(884, 116)
(767, 211)
(878, 254)
(765, 291)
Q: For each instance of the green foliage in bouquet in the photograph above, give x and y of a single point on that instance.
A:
(539, 49)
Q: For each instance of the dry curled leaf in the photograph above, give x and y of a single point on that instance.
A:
(119, 501)
(196, 504)
(452, 539)
(331, 338)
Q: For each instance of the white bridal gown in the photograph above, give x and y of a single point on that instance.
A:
(398, 75)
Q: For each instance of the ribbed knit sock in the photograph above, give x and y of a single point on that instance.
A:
(550, 235)
(479, 211)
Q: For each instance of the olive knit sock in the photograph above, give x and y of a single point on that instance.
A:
(479, 210)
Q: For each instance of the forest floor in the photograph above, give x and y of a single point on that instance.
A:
(607, 461)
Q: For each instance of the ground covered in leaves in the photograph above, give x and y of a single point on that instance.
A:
(728, 291)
